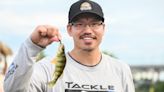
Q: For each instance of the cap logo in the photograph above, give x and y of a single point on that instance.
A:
(85, 6)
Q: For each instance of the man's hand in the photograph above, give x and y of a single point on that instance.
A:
(44, 35)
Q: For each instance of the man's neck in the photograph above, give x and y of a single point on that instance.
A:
(88, 58)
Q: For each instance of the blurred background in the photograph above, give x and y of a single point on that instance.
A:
(134, 34)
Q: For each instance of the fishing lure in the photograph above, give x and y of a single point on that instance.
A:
(59, 61)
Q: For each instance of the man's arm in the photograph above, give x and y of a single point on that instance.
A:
(18, 76)
(128, 79)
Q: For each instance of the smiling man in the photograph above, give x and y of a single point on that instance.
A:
(87, 69)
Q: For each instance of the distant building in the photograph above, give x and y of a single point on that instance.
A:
(150, 72)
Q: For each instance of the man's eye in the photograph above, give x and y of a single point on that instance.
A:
(93, 24)
(79, 24)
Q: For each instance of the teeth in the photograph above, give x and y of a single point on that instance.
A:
(87, 38)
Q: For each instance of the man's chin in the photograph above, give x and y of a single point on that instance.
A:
(88, 49)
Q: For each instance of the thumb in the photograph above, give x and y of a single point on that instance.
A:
(55, 39)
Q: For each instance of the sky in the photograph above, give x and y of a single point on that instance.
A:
(134, 28)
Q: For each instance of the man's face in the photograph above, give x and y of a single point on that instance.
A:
(87, 32)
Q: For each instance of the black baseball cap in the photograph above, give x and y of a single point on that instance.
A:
(85, 6)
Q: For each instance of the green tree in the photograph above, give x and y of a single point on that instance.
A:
(159, 86)
(109, 53)
(40, 56)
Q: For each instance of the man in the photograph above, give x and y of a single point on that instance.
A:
(86, 70)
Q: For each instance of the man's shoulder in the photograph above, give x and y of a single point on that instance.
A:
(44, 65)
(115, 62)
(43, 69)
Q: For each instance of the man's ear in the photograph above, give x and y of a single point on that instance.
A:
(104, 27)
(69, 29)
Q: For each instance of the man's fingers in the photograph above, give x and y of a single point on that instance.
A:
(53, 34)
(42, 30)
(45, 35)
(50, 30)
(55, 39)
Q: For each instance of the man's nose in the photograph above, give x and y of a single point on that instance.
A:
(88, 27)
